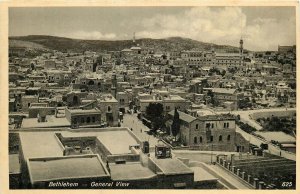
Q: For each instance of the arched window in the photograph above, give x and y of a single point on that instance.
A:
(200, 139)
(88, 120)
(211, 138)
(108, 108)
(197, 126)
(220, 138)
(195, 140)
(228, 138)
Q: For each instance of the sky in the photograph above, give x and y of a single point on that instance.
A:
(262, 28)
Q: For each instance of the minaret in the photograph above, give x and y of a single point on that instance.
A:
(241, 51)
(133, 39)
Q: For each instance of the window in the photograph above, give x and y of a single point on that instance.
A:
(195, 140)
(228, 138)
(211, 138)
(200, 139)
(197, 126)
(108, 108)
(226, 125)
(212, 125)
(220, 138)
(207, 125)
(28, 104)
(88, 120)
(93, 119)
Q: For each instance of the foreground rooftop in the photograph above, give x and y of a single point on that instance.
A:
(70, 167)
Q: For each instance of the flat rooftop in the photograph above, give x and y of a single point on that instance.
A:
(130, 171)
(65, 168)
(83, 111)
(116, 141)
(204, 112)
(174, 98)
(170, 166)
(40, 144)
(52, 121)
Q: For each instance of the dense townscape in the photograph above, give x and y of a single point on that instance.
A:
(141, 116)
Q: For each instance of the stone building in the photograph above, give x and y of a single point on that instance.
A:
(210, 132)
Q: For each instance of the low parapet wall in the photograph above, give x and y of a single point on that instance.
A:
(125, 157)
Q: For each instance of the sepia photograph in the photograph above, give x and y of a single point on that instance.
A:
(151, 97)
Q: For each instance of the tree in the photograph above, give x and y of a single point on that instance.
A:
(154, 113)
(154, 110)
(32, 66)
(212, 99)
(244, 103)
(176, 124)
(223, 73)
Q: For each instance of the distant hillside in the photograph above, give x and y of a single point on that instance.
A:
(27, 44)
(77, 45)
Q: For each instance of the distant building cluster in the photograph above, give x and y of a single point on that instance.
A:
(66, 112)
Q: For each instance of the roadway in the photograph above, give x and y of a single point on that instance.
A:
(275, 150)
(138, 128)
(246, 118)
